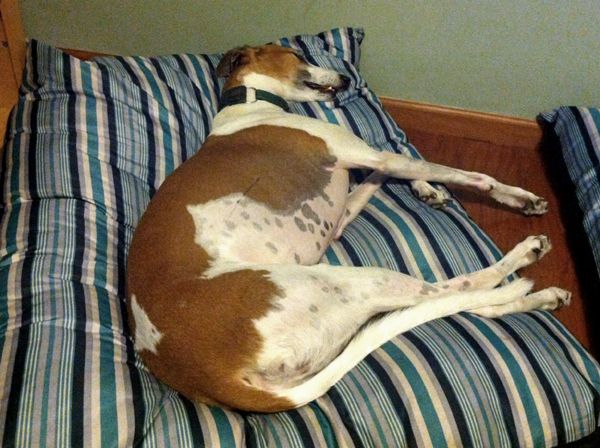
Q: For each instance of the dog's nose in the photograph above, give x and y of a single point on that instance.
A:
(345, 82)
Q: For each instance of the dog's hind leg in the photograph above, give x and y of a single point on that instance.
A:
(380, 331)
(549, 299)
(316, 311)
(320, 307)
(523, 254)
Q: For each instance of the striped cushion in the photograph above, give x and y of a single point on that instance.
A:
(578, 130)
(88, 145)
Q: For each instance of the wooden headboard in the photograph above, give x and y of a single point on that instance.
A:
(12, 57)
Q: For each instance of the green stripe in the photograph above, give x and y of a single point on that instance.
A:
(222, 422)
(595, 115)
(426, 407)
(360, 242)
(324, 426)
(164, 420)
(370, 401)
(44, 420)
(546, 356)
(516, 373)
(408, 235)
(202, 76)
(332, 257)
(592, 368)
(383, 401)
(484, 239)
(107, 352)
(270, 423)
(329, 115)
(445, 348)
(338, 42)
(163, 115)
(358, 421)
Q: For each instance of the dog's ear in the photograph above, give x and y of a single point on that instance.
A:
(231, 60)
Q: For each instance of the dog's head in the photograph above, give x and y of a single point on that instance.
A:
(282, 71)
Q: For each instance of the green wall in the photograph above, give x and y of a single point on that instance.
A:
(506, 56)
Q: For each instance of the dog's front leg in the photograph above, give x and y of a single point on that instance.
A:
(360, 196)
(352, 152)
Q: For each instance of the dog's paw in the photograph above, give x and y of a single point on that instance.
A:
(535, 206)
(556, 298)
(528, 251)
(563, 298)
(515, 197)
(429, 194)
(539, 245)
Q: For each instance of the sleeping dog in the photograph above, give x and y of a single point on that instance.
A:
(228, 301)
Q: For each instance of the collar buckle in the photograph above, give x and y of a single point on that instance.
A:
(251, 95)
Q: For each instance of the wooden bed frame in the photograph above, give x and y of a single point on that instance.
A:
(514, 150)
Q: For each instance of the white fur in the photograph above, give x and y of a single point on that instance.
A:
(225, 227)
(323, 76)
(147, 336)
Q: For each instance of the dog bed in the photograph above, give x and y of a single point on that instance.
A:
(88, 144)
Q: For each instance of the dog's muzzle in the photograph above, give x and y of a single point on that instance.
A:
(330, 89)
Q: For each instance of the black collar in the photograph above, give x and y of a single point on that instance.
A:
(243, 95)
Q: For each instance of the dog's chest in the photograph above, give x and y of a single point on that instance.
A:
(239, 228)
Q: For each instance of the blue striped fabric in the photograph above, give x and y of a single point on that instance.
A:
(88, 145)
(578, 130)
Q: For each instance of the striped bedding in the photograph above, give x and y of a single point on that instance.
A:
(578, 130)
(88, 145)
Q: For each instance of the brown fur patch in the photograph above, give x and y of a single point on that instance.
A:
(209, 344)
(279, 167)
(209, 340)
(272, 60)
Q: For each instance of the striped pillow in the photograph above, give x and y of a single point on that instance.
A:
(88, 145)
(578, 130)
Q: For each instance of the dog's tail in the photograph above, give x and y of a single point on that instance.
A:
(385, 328)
